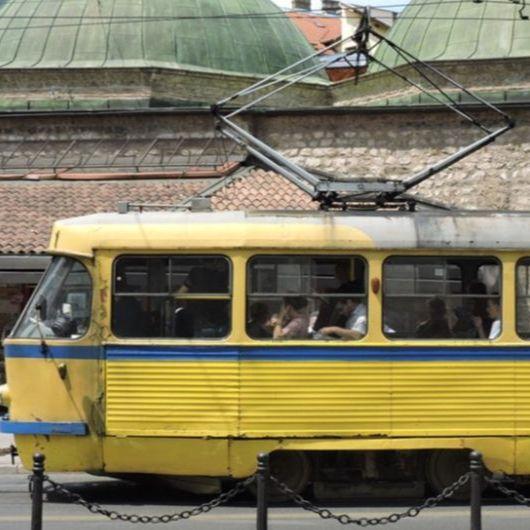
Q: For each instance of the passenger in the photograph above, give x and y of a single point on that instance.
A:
(202, 317)
(436, 326)
(212, 278)
(327, 315)
(494, 312)
(183, 322)
(354, 311)
(292, 322)
(464, 326)
(258, 325)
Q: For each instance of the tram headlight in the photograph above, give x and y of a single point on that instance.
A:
(5, 396)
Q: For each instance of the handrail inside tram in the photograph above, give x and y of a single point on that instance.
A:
(341, 193)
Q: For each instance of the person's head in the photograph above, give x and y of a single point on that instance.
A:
(15, 297)
(343, 271)
(295, 304)
(494, 308)
(437, 309)
(259, 312)
(347, 305)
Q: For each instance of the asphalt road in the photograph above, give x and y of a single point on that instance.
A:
(239, 515)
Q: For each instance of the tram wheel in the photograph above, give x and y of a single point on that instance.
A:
(293, 468)
(443, 467)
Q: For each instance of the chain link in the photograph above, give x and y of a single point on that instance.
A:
(519, 497)
(150, 519)
(431, 502)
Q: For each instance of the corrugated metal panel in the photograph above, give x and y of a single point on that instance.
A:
(388, 399)
(522, 398)
(315, 398)
(461, 398)
(318, 398)
(172, 398)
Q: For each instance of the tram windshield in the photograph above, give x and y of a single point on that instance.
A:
(60, 306)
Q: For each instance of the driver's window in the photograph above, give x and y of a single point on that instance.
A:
(61, 304)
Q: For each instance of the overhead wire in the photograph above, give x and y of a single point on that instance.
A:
(165, 19)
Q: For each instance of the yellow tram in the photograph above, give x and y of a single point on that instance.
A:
(158, 343)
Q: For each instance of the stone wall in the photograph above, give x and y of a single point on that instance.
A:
(396, 144)
(384, 142)
(93, 88)
(496, 80)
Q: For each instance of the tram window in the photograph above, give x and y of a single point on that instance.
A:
(302, 297)
(442, 298)
(60, 306)
(523, 298)
(171, 297)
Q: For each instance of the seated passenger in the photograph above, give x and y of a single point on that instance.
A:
(327, 312)
(464, 326)
(436, 326)
(258, 325)
(354, 311)
(292, 322)
(183, 322)
(494, 312)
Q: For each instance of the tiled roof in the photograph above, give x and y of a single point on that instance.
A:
(29, 208)
(262, 190)
(320, 31)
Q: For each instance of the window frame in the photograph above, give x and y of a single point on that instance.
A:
(36, 292)
(229, 296)
(445, 258)
(365, 295)
(519, 262)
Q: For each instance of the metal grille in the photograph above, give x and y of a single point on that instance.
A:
(161, 153)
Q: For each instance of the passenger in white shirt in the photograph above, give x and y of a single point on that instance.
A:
(355, 327)
(494, 312)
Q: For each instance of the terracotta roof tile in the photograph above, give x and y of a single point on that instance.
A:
(30, 208)
(320, 31)
(262, 190)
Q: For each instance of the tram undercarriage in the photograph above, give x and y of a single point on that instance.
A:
(358, 474)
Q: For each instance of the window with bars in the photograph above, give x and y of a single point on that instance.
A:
(441, 298)
(311, 285)
(172, 297)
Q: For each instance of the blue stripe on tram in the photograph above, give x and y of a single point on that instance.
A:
(34, 351)
(275, 353)
(44, 428)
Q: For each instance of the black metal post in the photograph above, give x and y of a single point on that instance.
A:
(476, 468)
(36, 491)
(262, 482)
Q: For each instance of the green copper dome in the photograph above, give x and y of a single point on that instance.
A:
(452, 30)
(206, 35)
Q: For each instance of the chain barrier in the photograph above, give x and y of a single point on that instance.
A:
(518, 497)
(325, 513)
(148, 519)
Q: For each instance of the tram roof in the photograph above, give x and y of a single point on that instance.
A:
(203, 231)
